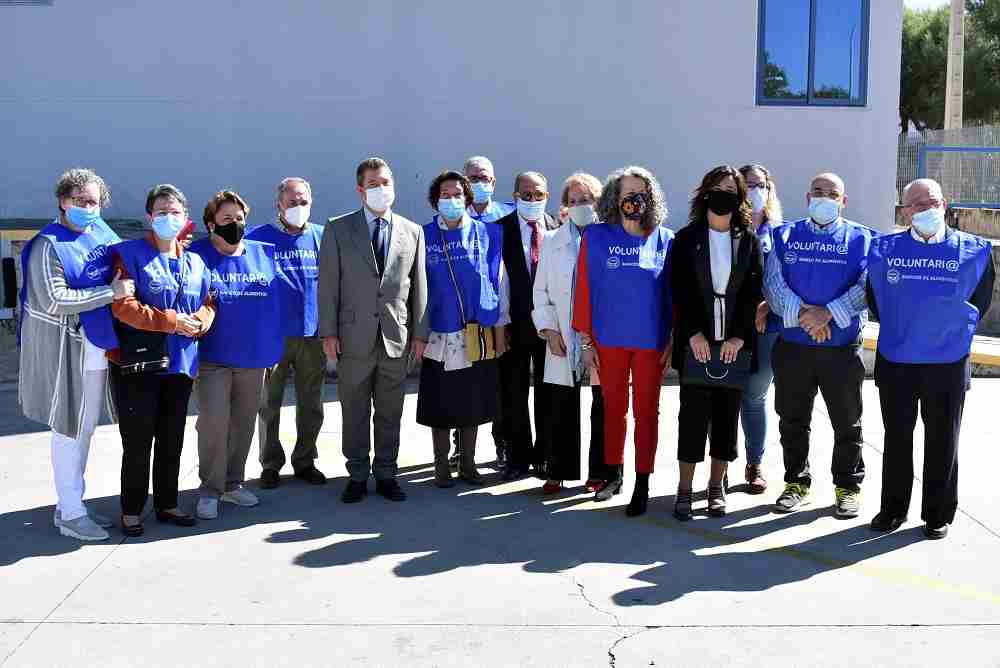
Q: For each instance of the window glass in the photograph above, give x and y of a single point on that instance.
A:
(837, 68)
(786, 50)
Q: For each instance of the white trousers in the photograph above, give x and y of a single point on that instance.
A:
(69, 455)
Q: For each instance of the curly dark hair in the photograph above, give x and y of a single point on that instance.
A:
(434, 192)
(220, 198)
(608, 207)
(699, 200)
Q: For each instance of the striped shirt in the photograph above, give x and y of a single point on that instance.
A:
(783, 301)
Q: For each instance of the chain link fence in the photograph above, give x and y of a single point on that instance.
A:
(965, 161)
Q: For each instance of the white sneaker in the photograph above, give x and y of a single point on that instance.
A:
(82, 528)
(241, 496)
(207, 508)
(98, 519)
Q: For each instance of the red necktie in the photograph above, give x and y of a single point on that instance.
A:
(536, 244)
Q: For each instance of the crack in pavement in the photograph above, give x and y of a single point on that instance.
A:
(612, 657)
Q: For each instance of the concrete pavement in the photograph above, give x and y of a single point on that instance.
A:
(499, 576)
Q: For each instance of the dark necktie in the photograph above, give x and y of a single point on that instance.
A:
(378, 244)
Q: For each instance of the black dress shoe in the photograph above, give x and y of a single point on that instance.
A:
(311, 475)
(354, 492)
(935, 533)
(390, 489)
(637, 506)
(131, 530)
(177, 519)
(884, 522)
(501, 462)
(513, 473)
(269, 479)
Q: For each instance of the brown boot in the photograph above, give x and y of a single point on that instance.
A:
(755, 480)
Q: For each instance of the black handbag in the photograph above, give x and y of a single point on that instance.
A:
(715, 373)
(140, 351)
(143, 351)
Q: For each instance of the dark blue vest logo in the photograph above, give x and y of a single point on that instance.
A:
(952, 265)
(94, 272)
(893, 276)
(614, 262)
(791, 258)
(842, 249)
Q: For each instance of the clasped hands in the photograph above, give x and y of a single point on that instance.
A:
(815, 320)
(703, 352)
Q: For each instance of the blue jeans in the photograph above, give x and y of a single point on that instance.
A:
(753, 412)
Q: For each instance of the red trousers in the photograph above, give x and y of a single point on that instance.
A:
(647, 372)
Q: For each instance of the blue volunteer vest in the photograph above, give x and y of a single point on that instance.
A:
(87, 263)
(157, 281)
(765, 234)
(820, 268)
(629, 280)
(475, 251)
(247, 332)
(922, 292)
(297, 258)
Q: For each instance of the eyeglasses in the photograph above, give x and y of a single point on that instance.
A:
(533, 197)
(757, 186)
(821, 192)
(84, 203)
(481, 178)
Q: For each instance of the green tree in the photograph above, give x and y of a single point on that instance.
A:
(925, 64)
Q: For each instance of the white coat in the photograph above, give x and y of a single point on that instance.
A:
(553, 297)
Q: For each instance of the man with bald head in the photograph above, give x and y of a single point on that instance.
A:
(523, 231)
(928, 286)
(815, 281)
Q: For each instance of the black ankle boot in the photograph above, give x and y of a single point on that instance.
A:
(640, 496)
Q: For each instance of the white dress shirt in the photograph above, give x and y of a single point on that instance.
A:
(526, 238)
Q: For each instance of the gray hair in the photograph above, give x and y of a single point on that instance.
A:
(931, 185)
(81, 177)
(165, 190)
(478, 161)
(530, 175)
(607, 206)
(287, 182)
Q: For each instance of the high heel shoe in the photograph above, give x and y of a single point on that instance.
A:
(593, 484)
(131, 530)
(177, 519)
(640, 499)
(608, 489)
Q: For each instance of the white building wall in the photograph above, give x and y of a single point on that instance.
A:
(238, 94)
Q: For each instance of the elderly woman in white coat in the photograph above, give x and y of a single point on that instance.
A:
(564, 369)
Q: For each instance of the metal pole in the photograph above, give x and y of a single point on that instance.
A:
(954, 84)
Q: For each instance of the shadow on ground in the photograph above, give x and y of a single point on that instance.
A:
(504, 524)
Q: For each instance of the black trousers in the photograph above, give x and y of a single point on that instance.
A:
(939, 389)
(151, 408)
(562, 453)
(837, 372)
(519, 366)
(711, 412)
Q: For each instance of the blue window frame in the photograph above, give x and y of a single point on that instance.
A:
(813, 53)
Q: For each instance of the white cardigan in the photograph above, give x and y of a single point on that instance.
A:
(553, 298)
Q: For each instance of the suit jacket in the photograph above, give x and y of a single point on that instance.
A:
(694, 295)
(522, 327)
(354, 300)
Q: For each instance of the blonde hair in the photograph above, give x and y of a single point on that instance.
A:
(772, 208)
(588, 182)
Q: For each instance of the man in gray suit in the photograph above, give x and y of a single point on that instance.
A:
(372, 310)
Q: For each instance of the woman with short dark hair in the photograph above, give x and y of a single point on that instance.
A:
(172, 299)
(245, 341)
(467, 307)
(716, 282)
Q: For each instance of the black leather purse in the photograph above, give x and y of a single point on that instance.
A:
(716, 373)
(143, 351)
(140, 351)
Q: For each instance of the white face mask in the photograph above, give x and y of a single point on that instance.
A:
(380, 198)
(297, 216)
(928, 223)
(824, 210)
(582, 215)
(758, 199)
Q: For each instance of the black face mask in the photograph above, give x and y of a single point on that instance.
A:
(721, 202)
(634, 206)
(231, 233)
